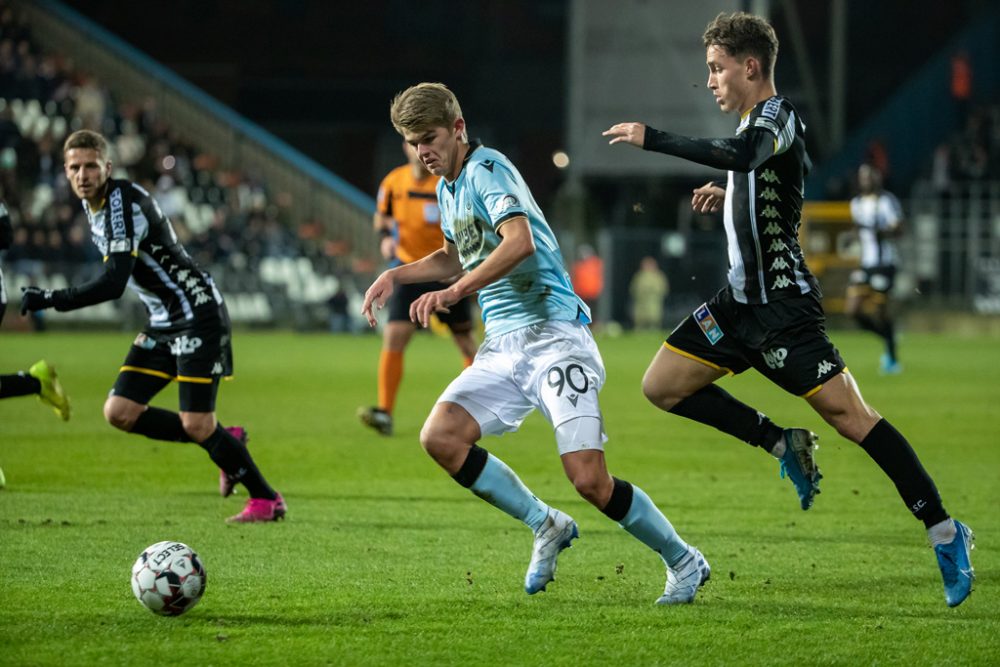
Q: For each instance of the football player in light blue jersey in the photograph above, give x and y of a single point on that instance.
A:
(538, 353)
(488, 192)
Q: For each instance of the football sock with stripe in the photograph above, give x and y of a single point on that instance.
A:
(636, 513)
(716, 407)
(19, 384)
(492, 480)
(233, 457)
(893, 454)
(160, 424)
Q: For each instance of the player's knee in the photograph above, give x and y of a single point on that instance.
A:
(658, 392)
(120, 414)
(198, 427)
(440, 444)
(594, 486)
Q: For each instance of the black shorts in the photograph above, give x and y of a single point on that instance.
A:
(785, 340)
(877, 278)
(197, 357)
(459, 320)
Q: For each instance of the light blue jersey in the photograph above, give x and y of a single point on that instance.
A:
(489, 191)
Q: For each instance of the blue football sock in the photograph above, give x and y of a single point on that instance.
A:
(500, 486)
(648, 525)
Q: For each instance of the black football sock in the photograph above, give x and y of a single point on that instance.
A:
(160, 424)
(889, 334)
(19, 384)
(475, 461)
(620, 501)
(866, 322)
(714, 406)
(893, 454)
(233, 457)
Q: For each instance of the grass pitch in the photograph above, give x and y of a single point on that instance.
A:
(384, 560)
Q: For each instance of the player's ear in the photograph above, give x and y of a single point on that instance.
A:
(460, 128)
(751, 67)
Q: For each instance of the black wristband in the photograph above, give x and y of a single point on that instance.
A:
(384, 233)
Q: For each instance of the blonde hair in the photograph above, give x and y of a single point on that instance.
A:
(423, 107)
(88, 139)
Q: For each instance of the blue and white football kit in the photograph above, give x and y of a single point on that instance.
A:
(539, 353)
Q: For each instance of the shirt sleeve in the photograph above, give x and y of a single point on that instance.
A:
(743, 153)
(499, 188)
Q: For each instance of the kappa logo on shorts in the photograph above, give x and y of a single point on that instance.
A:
(217, 368)
(823, 368)
(184, 345)
(708, 324)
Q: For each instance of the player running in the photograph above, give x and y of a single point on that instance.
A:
(538, 352)
(188, 336)
(878, 218)
(769, 317)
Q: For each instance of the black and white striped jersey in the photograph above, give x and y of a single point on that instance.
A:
(877, 217)
(169, 283)
(763, 208)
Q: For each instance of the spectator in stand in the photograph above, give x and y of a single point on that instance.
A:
(588, 278)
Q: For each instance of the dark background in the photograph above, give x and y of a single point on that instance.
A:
(321, 74)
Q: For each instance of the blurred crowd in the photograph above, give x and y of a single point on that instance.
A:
(223, 217)
(973, 153)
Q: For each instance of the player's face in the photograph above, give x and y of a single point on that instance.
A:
(437, 149)
(87, 173)
(727, 79)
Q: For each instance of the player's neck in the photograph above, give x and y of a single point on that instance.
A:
(764, 91)
(456, 168)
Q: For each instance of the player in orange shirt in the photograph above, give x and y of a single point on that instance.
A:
(409, 223)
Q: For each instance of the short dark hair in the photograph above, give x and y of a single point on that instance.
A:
(88, 139)
(742, 34)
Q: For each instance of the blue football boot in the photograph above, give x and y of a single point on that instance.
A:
(798, 464)
(556, 534)
(956, 566)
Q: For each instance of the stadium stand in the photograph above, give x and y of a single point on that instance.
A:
(276, 259)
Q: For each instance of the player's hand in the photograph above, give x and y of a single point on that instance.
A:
(627, 133)
(709, 198)
(430, 303)
(377, 295)
(388, 247)
(35, 298)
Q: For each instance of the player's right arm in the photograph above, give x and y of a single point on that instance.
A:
(110, 285)
(384, 226)
(437, 266)
(743, 153)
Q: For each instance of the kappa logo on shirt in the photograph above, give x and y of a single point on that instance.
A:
(713, 332)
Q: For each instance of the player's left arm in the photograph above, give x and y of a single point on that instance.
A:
(110, 285)
(742, 153)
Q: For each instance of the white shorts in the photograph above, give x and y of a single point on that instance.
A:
(554, 366)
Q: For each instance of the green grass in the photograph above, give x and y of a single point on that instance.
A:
(384, 560)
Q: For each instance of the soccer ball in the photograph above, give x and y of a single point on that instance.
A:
(168, 578)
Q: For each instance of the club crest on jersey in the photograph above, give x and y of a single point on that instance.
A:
(506, 203)
(117, 214)
(703, 316)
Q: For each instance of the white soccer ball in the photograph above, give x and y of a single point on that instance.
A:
(168, 578)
